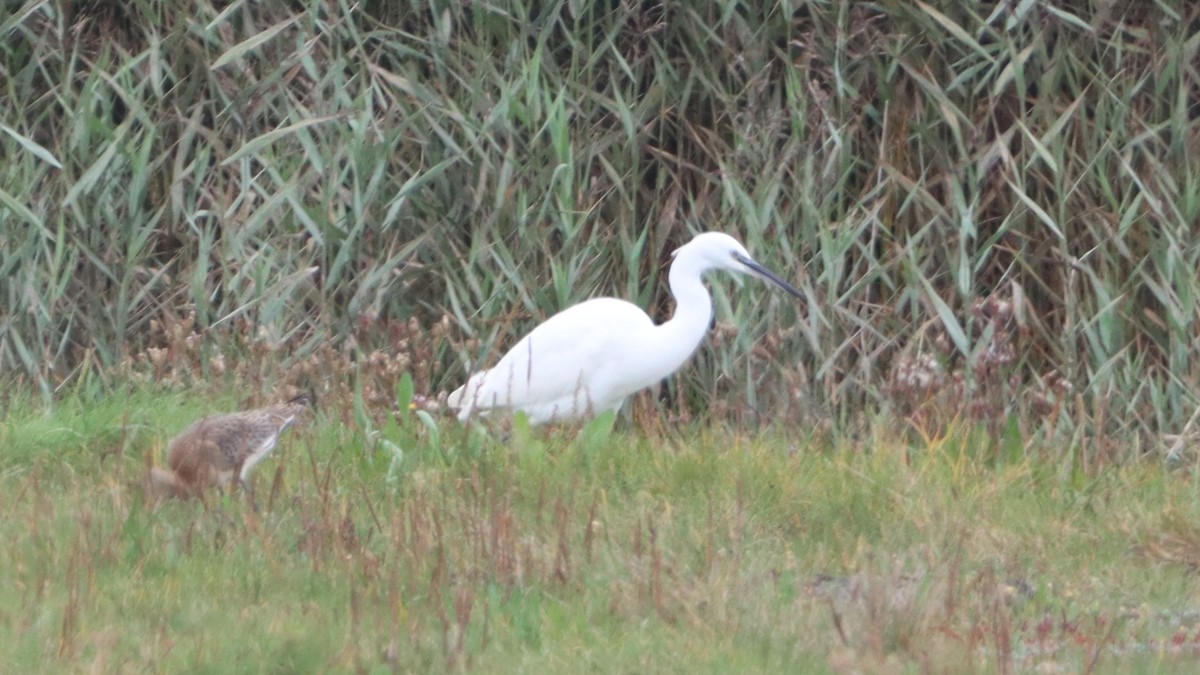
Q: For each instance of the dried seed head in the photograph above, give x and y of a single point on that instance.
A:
(218, 364)
(1041, 404)
(157, 356)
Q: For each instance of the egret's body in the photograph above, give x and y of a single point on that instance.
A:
(590, 357)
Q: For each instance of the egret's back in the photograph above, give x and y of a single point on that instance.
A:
(560, 369)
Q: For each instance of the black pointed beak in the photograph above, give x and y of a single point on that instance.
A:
(767, 274)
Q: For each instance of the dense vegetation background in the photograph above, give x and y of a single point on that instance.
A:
(992, 205)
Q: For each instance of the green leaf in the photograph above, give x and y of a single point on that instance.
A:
(404, 395)
(25, 213)
(1037, 210)
(33, 147)
(246, 46)
(253, 145)
(954, 29)
(949, 320)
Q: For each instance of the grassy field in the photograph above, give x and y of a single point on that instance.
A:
(972, 448)
(419, 548)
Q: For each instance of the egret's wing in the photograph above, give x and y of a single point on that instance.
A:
(555, 360)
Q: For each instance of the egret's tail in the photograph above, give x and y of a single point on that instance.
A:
(455, 399)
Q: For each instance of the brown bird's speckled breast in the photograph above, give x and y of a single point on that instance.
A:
(222, 448)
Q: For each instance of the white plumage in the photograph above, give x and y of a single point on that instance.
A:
(590, 357)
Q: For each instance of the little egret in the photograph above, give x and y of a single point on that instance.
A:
(589, 357)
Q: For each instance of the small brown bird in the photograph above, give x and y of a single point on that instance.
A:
(220, 449)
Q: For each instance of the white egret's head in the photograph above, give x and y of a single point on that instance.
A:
(717, 250)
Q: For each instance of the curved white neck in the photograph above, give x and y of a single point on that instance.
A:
(683, 332)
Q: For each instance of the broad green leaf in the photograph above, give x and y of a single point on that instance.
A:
(32, 146)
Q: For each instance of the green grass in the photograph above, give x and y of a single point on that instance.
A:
(958, 465)
(593, 550)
